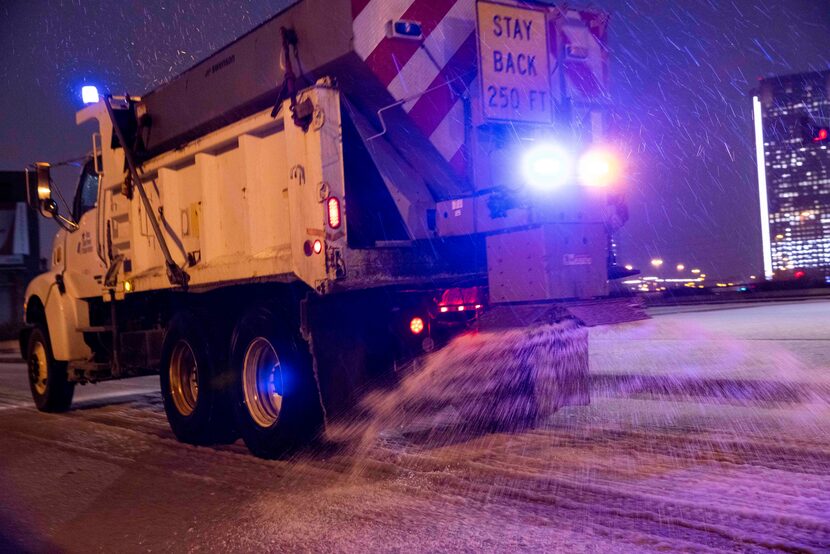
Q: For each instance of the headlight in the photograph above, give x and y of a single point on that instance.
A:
(598, 168)
(547, 166)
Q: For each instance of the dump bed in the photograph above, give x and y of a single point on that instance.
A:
(401, 127)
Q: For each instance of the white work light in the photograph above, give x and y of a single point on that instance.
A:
(547, 166)
(89, 94)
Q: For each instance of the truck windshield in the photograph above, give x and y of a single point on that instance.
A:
(87, 194)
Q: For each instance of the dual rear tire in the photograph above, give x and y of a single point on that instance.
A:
(260, 386)
(192, 378)
(275, 398)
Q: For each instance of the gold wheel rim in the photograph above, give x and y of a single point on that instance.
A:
(38, 368)
(184, 378)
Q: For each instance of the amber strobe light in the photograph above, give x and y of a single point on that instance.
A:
(416, 325)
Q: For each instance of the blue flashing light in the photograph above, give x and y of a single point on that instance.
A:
(408, 29)
(89, 94)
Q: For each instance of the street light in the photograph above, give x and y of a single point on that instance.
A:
(656, 262)
(680, 267)
(696, 271)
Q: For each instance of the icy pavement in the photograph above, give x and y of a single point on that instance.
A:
(708, 430)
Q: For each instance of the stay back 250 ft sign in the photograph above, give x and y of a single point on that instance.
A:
(513, 63)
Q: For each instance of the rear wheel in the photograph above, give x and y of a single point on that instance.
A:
(192, 384)
(48, 379)
(276, 403)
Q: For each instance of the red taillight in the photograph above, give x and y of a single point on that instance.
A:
(312, 247)
(465, 299)
(416, 325)
(333, 209)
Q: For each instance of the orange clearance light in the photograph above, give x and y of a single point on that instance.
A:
(317, 246)
(333, 208)
(416, 325)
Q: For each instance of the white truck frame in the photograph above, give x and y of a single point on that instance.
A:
(276, 266)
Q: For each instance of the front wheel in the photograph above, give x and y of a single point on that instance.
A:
(276, 403)
(48, 380)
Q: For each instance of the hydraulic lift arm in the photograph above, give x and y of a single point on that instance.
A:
(175, 274)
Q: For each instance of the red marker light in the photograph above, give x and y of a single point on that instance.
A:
(799, 274)
(416, 325)
(333, 209)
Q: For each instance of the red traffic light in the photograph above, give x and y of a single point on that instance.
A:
(820, 135)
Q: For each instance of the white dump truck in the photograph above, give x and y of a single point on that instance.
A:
(342, 190)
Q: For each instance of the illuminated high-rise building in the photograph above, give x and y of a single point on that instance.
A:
(792, 121)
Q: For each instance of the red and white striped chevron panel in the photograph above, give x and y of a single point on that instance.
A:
(580, 35)
(436, 71)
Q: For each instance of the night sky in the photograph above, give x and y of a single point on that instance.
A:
(681, 74)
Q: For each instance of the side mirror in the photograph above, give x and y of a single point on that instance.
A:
(39, 195)
(39, 190)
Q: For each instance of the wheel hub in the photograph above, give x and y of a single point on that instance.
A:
(262, 382)
(38, 368)
(184, 378)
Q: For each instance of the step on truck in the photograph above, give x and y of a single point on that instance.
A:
(291, 222)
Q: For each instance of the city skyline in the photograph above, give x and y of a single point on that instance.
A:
(791, 133)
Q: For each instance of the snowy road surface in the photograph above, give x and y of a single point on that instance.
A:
(708, 430)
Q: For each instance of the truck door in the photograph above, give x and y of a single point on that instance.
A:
(84, 267)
